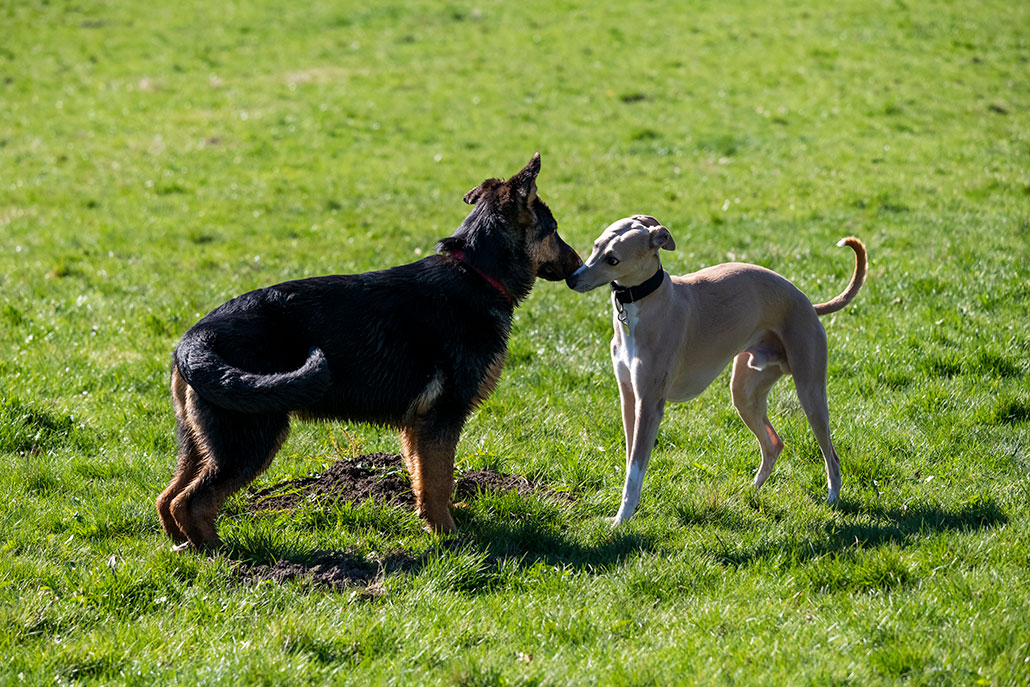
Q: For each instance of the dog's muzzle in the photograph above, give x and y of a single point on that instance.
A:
(563, 268)
(577, 281)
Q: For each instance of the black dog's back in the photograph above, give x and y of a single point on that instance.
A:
(360, 347)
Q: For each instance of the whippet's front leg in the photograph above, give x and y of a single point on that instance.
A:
(629, 410)
(647, 416)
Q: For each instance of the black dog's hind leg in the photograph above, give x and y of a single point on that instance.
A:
(190, 459)
(236, 448)
(188, 462)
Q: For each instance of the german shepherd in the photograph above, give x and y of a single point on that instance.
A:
(416, 347)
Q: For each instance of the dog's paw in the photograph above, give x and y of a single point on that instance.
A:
(832, 499)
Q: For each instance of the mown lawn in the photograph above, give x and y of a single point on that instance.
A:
(158, 158)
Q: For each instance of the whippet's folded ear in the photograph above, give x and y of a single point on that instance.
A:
(661, 238)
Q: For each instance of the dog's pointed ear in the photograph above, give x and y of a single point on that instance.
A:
(524, 183)
(661, 238)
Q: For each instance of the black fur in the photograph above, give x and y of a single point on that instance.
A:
(360, 347)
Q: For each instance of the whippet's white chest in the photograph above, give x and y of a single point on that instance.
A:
(624, 341)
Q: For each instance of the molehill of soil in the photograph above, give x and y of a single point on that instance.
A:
(382, 478)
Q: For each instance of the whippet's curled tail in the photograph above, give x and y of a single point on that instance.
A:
(848, 294)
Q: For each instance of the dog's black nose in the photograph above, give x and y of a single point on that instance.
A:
(572, 281)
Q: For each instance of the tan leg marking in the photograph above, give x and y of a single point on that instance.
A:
(430, 461)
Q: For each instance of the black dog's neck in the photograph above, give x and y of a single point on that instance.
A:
(459, 255)
(631, 294)
(489, 248)
(490, 263)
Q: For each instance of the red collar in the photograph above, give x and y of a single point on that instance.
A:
(459, 255)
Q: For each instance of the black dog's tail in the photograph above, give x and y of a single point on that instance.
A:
(247, 392)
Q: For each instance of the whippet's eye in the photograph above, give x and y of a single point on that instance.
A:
(612, 260)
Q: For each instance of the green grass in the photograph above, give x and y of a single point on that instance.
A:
(157, 159)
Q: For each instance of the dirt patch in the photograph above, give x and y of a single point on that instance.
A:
(382, 478)
(334, 569)
(379, 476)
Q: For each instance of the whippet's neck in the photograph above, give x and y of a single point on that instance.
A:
(627, 301)
(625, 295)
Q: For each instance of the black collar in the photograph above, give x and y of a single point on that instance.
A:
(631, 294)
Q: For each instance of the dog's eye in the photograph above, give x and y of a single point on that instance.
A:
(612, 260)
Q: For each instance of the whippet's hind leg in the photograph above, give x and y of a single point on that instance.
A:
(750, 389)
(810, 381)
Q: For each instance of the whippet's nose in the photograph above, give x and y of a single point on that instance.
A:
(574, 279)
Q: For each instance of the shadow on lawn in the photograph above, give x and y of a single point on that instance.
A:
(496, 538)
(487, 546)
(869, 526)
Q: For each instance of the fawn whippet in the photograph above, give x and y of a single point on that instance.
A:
(674, 335)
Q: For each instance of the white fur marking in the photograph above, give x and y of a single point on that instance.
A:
(630, 494)
(624, 333)
(424, 401)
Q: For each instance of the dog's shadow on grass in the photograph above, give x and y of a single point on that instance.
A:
(485, 549)
(867, 526)
(508, 526)
(489, 547)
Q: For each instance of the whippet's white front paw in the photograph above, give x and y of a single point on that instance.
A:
(620, 519)
(832, 498)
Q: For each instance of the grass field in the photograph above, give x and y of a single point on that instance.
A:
(158, 158)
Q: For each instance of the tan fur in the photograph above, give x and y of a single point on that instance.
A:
(187, 467)
(493, 376)
(543, 251)
(670, 345)
(430, 462)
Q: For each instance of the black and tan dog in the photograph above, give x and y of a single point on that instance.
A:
(416, 347)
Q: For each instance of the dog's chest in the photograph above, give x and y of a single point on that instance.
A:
(624, 343)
